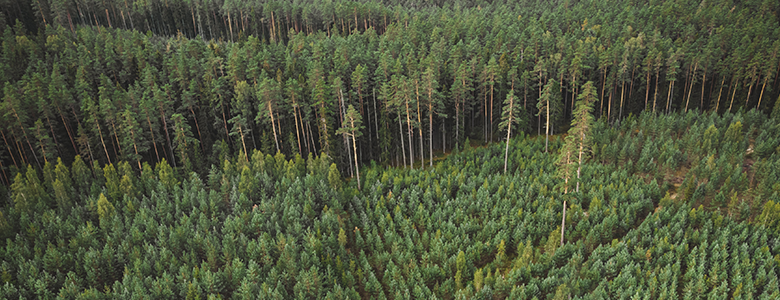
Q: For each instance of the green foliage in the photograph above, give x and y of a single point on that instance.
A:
(334, 177)
(105, 209)
(165, 174)
(258, 225)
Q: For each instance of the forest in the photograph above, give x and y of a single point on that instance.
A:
(208, 149)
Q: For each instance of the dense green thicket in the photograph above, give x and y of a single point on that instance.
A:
(175, 164)
(273, 227)
(440, 71)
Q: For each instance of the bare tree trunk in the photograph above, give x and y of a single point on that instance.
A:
(703, 82)
(719, 93)
(655, 92)
(691, 87)
(457, 123)
(430, 128)
(100, 133)
(409, 134)
(563, 222)
(419, 123)
(354, 150)
(109, 19)
(311, 136)
(10, 152)
(401, 132)
(622, 91)
(491, 112)
(230, 25)
(762, 93)
(68, 130)
(750, 89)
(192, 13)
(297, 131)
(508, 135)
(243, 143)
(733, 94)
(376, 119)
(647, 90)
(273, 125)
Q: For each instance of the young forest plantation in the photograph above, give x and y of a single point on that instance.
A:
(385, 149)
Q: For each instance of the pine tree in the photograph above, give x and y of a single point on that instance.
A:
(241, 106)
(269, 93)
(105, 209)
(352, 127)
(183, 141)
(509, 116)
(132, 136)
(493, 77)
(435, 105)
(581, 124)
(547, 106)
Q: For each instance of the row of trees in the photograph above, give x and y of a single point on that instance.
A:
(276, 227)
(111, 94)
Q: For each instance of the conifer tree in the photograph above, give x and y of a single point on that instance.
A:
(183, 140)
(132, 137)
(547, 106)
(509, 116)
(352, 126)
(581, 124)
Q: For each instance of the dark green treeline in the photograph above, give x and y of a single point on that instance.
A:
(423, 77)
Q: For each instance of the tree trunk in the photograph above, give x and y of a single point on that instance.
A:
(647, 90)
(192, 13)
(409, 134)
(762, 93)
(18, 145)
(669, 96)
(273, 126)
(419, 123)
(376, 119)
(243, 143)
(109, 19)
(719, 93)
(100, 133)
(10, 152)
(200, 137)
(401, 132)
(609, 103)
(135, 147)
(703, 82)
(622, 91)
(563, 222)
(154, 142)
(508, 135)
(733, 94)
(297, 131)
(603, 84)
(457, 122)
(230, 26)
(485, 116)
(430, 127)
(444, 135)
(547, 128)
(491, 110)
(655, 91)
(168, 138)
(354, 150)
(695, 67)
(579, 164)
